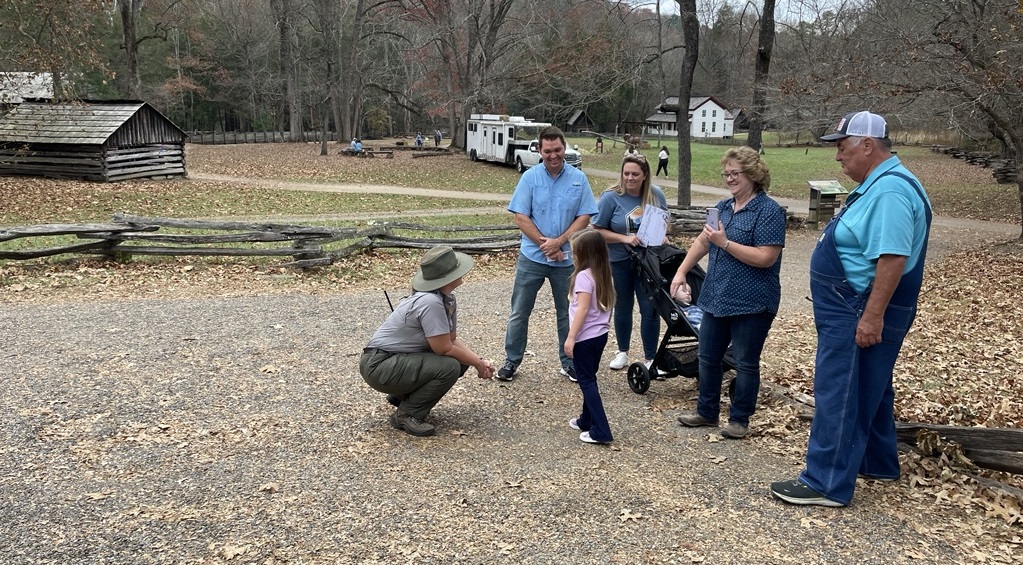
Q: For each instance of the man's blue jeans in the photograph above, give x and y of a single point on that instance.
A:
(529, 277)
(747, 334)
(626, 284)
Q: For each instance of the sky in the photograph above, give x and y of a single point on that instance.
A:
(784, 10)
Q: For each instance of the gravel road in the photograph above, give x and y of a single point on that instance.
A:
(237, 430)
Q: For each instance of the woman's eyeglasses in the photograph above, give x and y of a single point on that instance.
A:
(730, 176)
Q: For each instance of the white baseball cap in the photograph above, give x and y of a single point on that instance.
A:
(859, 124)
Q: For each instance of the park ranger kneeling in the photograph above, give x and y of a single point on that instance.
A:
(415, 357)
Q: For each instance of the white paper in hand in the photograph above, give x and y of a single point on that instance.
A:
(654, 226)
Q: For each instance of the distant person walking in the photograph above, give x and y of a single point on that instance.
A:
(600, 144)
(436, 139)
(592, 297)
(419, 139)
(662, 161)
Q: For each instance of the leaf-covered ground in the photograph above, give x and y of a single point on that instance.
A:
(207, 424)
(500, 487)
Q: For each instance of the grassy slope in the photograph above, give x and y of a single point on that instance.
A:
(956, 189)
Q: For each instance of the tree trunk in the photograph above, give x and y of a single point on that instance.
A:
(129, 10)
(326, 123)
(59, 86)
(350, 89)
(691, 43)
(284, 11)
(456, 120)
(763, 64)
(1019, 183)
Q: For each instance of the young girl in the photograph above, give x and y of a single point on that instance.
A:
(592, 296)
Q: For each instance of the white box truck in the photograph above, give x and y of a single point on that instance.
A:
(512, 140)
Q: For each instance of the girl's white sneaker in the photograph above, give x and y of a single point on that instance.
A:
(585, 437)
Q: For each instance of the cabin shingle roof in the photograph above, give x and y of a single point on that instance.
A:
(65, 123)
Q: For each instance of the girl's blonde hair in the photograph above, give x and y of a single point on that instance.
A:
(646, 195)
(589, 251)
(752, 164)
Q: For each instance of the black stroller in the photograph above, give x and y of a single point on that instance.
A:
(677, 354)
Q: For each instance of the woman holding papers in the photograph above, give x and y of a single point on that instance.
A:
(620, 213)
(741, 293)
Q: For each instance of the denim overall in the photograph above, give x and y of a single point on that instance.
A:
(853, 431)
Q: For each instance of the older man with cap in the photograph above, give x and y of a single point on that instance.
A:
(416, 356)
(865, 277)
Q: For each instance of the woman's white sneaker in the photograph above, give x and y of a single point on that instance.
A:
(620, 361)
(657, 375)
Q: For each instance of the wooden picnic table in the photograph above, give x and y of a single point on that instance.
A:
(366, 153)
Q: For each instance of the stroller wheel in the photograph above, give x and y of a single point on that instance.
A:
(639, 378)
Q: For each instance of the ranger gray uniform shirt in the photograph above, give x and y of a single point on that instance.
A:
(420, 316)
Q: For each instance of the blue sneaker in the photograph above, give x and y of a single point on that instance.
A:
(507, 372)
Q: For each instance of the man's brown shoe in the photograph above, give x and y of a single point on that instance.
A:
(411, 425)
(695, 420)
(734, 430)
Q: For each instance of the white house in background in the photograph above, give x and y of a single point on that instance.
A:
(16, 87)
(708, 117)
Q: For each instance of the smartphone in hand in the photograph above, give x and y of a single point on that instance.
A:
(712, 218)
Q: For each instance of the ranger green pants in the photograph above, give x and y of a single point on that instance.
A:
(419, 379)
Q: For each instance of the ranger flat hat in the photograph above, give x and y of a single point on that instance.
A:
(440, 266)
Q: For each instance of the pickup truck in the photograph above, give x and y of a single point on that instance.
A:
(526, 158)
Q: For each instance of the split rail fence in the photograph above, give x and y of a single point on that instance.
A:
(129, 235)
(998, 449)
(134, 235)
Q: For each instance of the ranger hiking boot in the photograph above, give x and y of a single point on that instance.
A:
(411, 425)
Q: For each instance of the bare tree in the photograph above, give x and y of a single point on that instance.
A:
(55, 37)
(967, 49)
(725, 65)
(329, 23)
(593, 53)
(760, 78)
(286, 14)
(469, 41)
(817, 67)
(691, 42)
(228, 60)
(162, 18)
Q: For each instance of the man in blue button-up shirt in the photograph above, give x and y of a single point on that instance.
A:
(550, 203)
